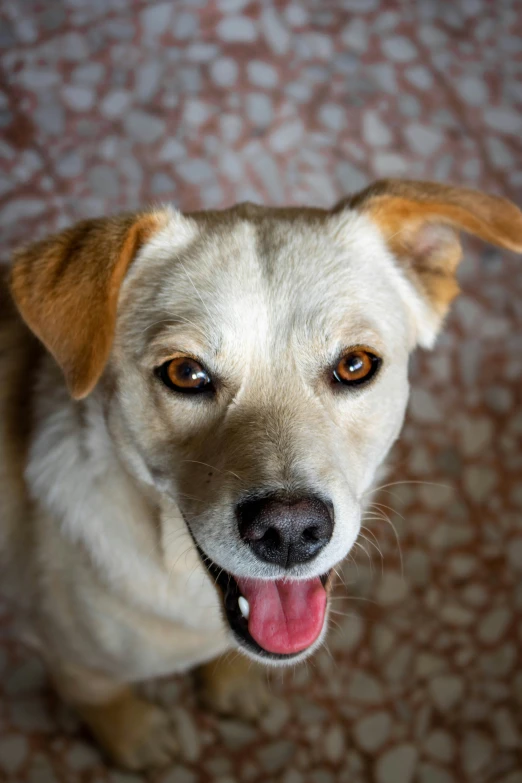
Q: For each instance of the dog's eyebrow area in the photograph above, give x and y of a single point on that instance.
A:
(179, 333)
(360, 334)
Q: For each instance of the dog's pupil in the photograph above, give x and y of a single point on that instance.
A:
(355, 363)
(192, 372)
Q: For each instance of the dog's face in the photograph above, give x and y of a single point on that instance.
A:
(261, 375)
(258, 377)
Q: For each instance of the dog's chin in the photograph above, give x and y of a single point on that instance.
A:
(298, 644)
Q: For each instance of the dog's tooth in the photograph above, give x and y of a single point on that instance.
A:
(244, 606)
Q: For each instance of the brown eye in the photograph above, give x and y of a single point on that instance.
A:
(186, 375)
(356, 367)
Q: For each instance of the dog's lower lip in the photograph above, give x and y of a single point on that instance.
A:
(236, 619)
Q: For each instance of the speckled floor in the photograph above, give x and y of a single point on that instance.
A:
(110, 104)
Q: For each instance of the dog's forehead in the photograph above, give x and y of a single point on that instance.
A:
(297, 257)
(259, 271)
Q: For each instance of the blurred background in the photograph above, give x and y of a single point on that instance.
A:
(109, 105)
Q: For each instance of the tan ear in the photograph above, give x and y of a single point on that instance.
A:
(66, 288)
(420, 222)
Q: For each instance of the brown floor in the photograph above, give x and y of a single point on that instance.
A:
(109, 104)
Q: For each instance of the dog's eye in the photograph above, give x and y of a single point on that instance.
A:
(357, 366)
(186, 375)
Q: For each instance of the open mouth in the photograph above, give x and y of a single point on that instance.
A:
(277, 619)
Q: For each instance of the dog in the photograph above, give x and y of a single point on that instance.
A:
(192, 408)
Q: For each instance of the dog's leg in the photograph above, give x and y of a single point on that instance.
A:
(234, 685)
(134, 733)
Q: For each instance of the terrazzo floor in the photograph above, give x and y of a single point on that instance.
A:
(111, 104)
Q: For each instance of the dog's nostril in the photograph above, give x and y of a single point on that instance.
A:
(271, 537)
(311, 534)
(285, 531)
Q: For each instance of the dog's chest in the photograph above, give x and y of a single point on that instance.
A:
(148, 612)
(148, 602)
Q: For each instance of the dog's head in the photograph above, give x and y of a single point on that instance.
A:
(253, 368)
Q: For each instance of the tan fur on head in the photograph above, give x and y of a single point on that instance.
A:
(66, 288)
(420, 222)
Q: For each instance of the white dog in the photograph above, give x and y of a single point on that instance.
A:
(191, 410)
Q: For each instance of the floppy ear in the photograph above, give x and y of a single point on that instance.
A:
(66, 288)
(421, 221)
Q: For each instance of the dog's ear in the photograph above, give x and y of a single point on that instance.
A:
(421, 221)
(66, 288)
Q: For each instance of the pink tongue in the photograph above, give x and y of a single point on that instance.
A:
(285, 617)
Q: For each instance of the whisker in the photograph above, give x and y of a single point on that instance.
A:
(195, 289)
(328, 652)
(369, 531)
(175, 321)
(212, 467)
(157, 323)
(370, 521)
(360, 546)
(336, 624)
(387, 519)
(397, 483)
(351, 561)
(342, 614)
(383, 505)
(170, 570)
(190, 497)
(372, 543)
(339, 576)
(379, 551)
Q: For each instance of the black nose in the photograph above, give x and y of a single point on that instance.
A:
(285, 532)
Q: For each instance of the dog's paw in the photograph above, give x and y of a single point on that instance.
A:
(136, 735)
(151, 741)
(233, 688)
